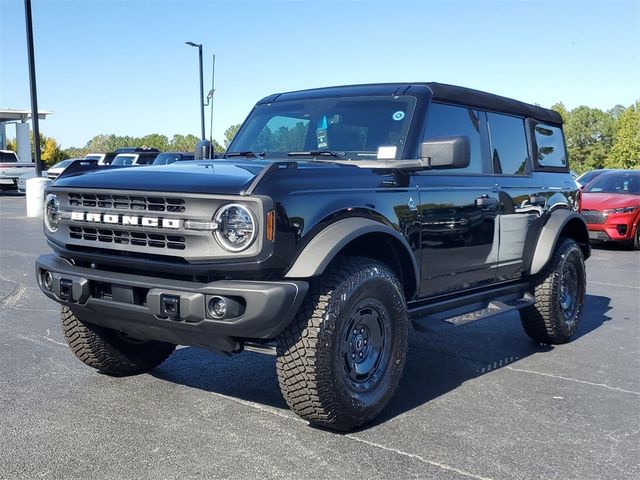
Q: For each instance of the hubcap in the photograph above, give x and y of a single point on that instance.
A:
(366, 345)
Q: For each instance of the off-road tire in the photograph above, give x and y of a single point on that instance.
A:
(313, 366)
(109, 351)
(547, 321)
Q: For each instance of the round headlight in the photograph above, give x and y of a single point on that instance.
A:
(237, 228)
(51, 212)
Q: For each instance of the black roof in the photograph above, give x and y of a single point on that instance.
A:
(440, 92)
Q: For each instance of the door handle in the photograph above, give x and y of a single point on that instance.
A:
(485, 201)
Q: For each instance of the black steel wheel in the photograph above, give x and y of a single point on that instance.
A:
(559, 292)
(340, 361)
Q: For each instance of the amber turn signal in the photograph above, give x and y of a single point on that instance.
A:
(271, 225)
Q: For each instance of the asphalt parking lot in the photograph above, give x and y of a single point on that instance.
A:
(479, 402)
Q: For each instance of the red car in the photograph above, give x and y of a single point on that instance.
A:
(611, 207)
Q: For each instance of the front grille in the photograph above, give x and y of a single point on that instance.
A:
(594, 217)
(123, 237)
(127, 202)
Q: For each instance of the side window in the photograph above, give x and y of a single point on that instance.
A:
(448, 121)
(550, 146)
(282, 134)
(509, 153)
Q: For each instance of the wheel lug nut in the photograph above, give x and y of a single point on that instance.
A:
(362, 330)
(365, 342)
(355, 332)
(360, 354)
(353, 355)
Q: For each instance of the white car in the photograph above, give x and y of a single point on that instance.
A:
(11, 168)
(59, 167)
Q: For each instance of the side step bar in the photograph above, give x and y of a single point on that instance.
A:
(470, 308)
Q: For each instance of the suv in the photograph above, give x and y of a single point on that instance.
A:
(11, 169)
(167, 158)
(139, 158)
(335, 216)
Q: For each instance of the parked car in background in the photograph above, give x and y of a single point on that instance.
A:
(611, 207)
(586, 177)
(140, 158)
(11, 169)
(59, 167)
(102, 158)
(135, 150)
(166, 158)
(22, 179)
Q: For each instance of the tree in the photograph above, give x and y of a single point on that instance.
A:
(625, 152)
(588, 135)
(52, 153)
(229, 133)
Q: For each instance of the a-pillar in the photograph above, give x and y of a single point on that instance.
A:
(23, 141)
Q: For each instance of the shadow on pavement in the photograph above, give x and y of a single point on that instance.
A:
(437, 363)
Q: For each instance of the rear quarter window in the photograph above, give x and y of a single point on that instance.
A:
(549, 147)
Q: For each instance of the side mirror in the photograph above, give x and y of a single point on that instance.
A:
(446, 152)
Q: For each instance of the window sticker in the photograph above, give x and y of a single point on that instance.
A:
(387, 152)
(397, 116)
(321, 133)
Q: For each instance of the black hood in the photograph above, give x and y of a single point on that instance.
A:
(219, 176)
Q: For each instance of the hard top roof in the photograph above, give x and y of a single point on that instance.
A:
(439, 91)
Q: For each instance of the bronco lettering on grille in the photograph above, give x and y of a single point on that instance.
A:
(132, 220)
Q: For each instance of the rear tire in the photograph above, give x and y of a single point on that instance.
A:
(559, 292)
(341, 359)
(109, 351)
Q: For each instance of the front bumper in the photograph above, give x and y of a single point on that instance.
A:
(133, 304)
(614, 228)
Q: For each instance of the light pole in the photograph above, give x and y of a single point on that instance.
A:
(191, 44)
(32, 83)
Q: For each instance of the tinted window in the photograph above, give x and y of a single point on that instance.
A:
(509, 152)
(550, 143)
(353, 127)
(6, 157)
(449, 121)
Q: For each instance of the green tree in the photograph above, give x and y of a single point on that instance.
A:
(589, 136)
(229, 133)
(625, 152)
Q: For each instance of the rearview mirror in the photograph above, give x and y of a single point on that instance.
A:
(446, 152)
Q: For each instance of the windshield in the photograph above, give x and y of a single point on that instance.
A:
(616, 182)
(123, 160)
(352, 127)
(6, 157)
(167, 158)
(63, 164)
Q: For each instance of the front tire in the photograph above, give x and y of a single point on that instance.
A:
(559, 292)
(341, 359)
(636, 240)
(109, 351)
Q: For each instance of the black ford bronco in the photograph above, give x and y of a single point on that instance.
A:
(335, 216)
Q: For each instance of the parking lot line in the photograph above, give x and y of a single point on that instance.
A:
(591, 282)
(617, 389)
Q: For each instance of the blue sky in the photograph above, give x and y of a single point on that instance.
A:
(122, 67)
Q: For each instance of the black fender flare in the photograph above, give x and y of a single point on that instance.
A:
(322, 249)
(561, 222)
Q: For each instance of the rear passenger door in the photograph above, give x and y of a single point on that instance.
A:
(523, 196)
(458, 208)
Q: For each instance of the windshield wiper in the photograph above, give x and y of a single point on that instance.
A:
(248, 153)
(317, 153)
